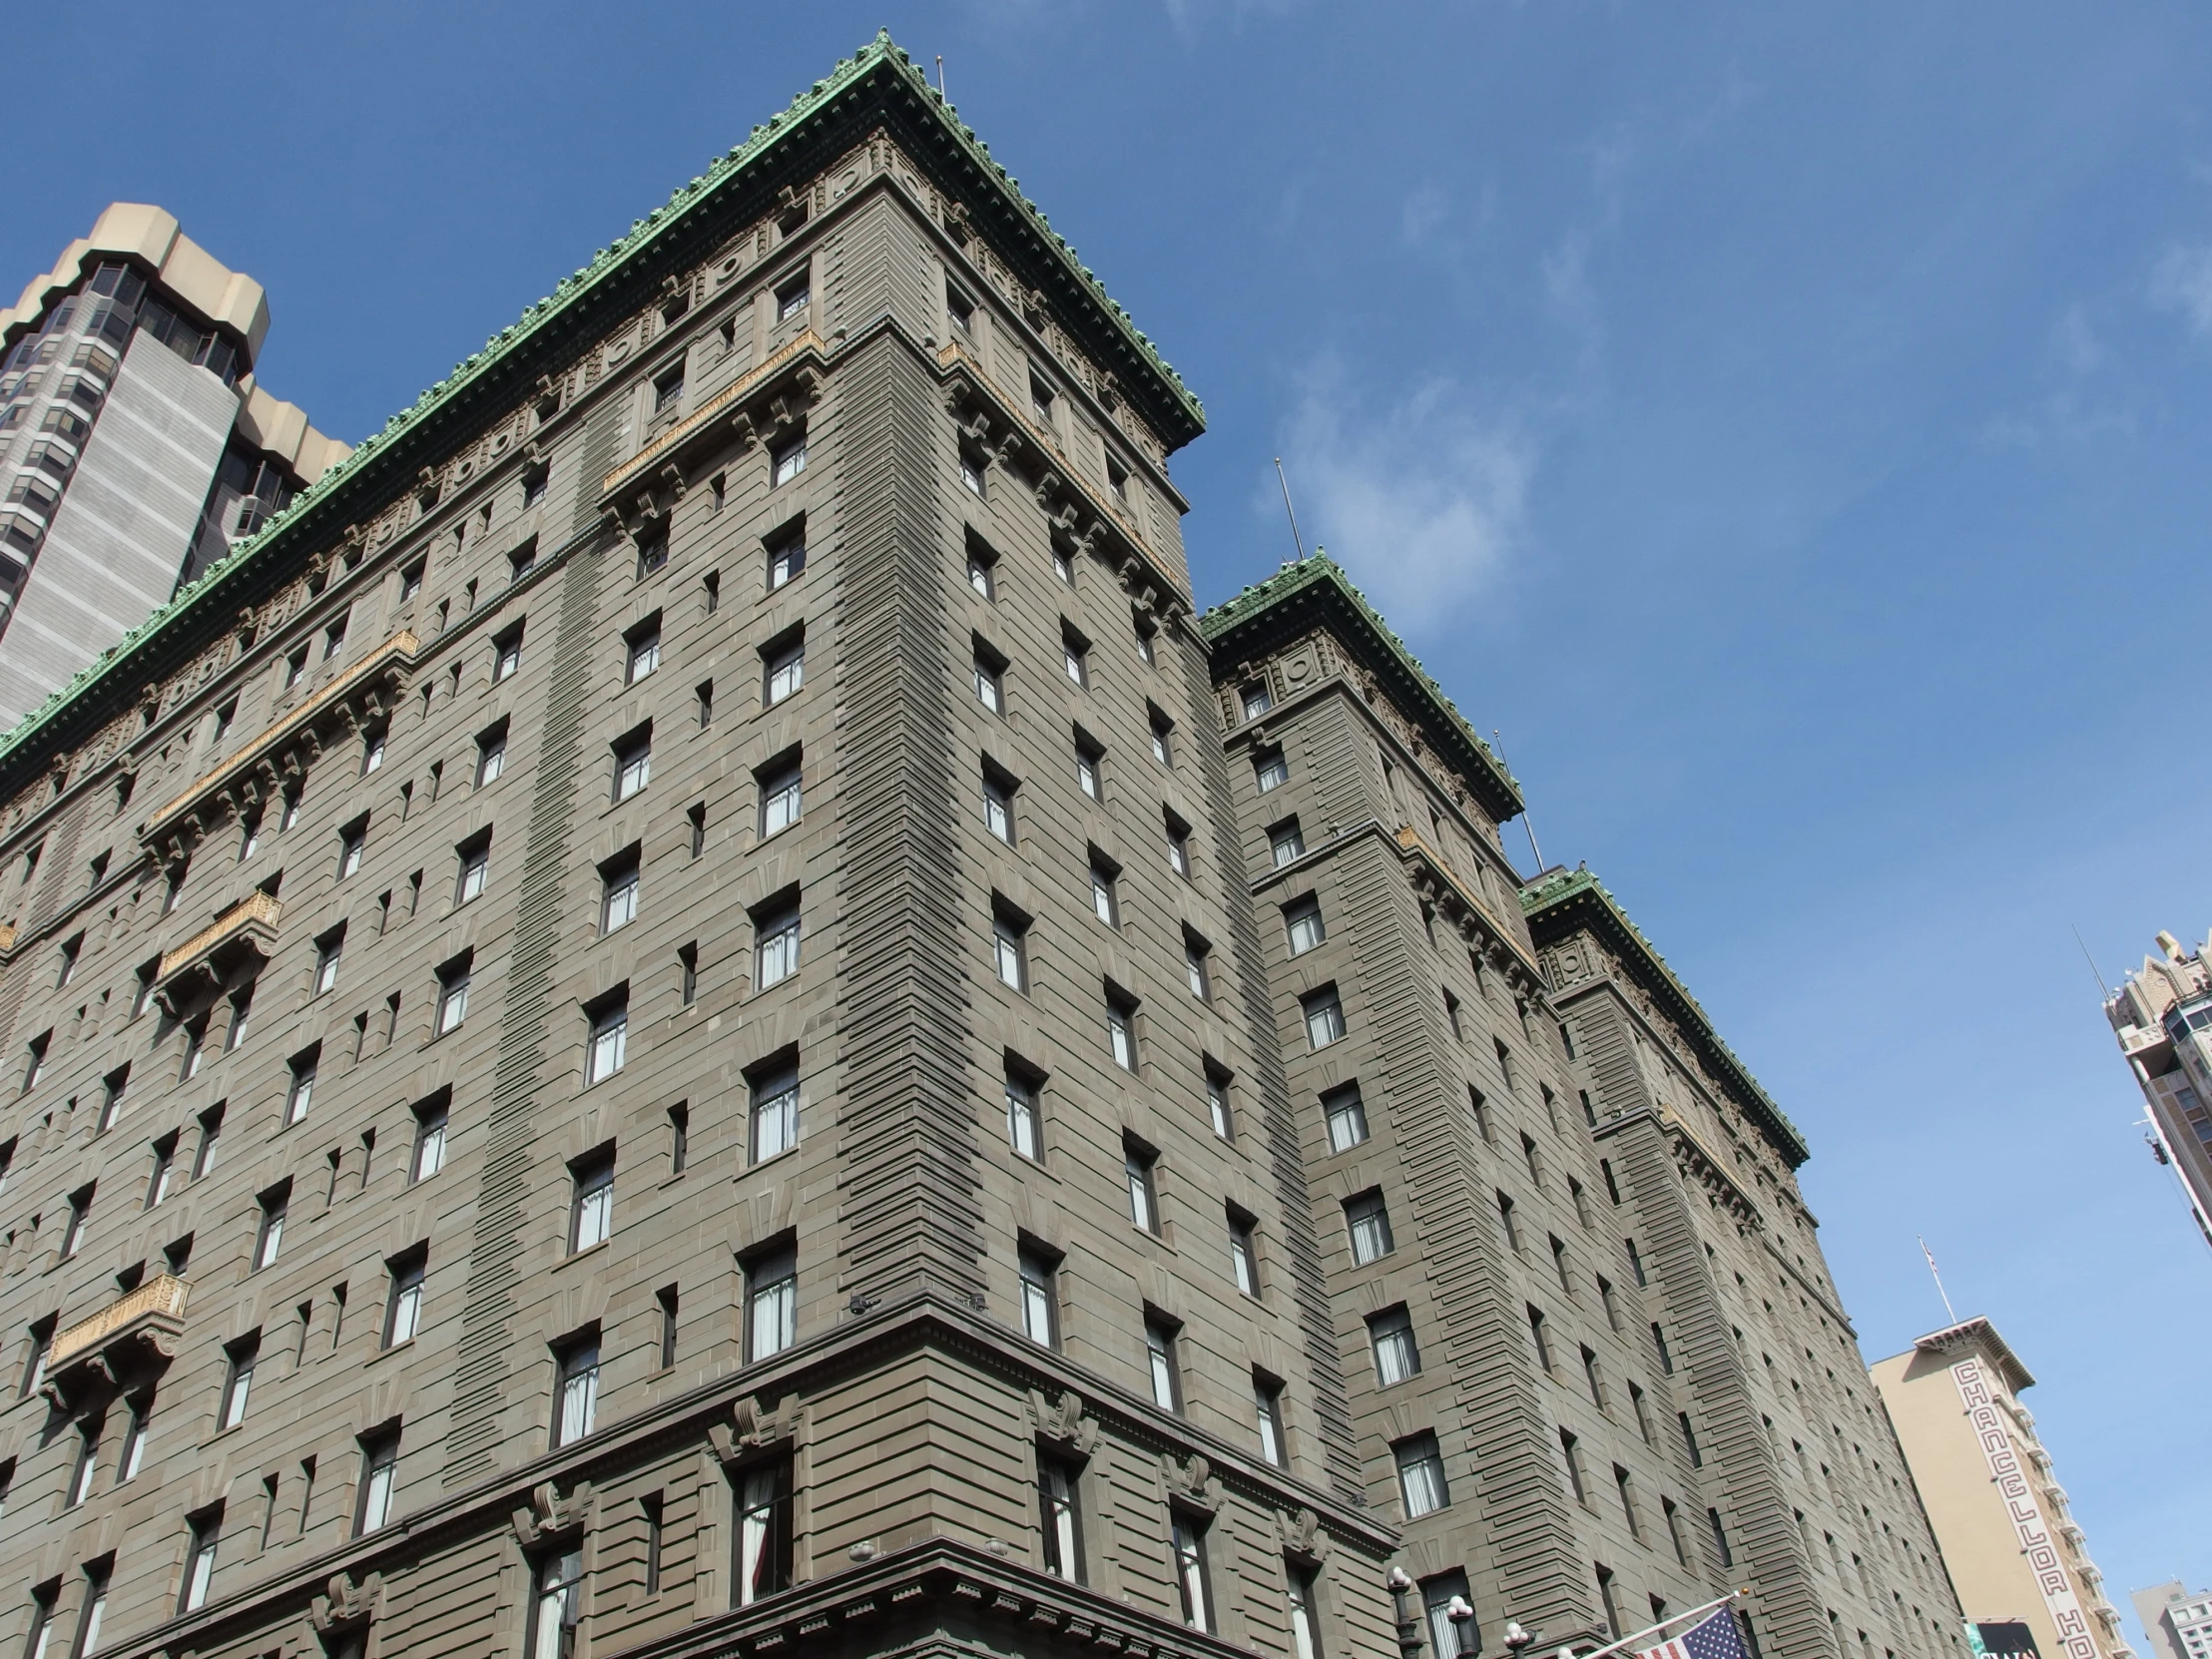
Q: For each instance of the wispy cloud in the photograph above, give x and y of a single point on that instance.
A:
(2181, 282)
(1425, 501)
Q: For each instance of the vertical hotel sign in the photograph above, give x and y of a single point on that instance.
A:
(2037, 1543)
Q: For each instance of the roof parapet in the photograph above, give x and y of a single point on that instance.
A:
(149, 236)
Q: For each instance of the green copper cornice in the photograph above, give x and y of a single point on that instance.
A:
(878, 86)
(1309, 590)
(1564, 900)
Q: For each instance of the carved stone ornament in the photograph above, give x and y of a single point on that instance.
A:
(427, 488)
(1033, 308)
(1301, 1535)
(549, 1514)
(344, 1603)
(957, 225)
(1191, 1481)
(1061, 1420)
(754, 1427)
(546, 398)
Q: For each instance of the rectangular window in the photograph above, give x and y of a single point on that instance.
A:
(1138, 1162)
(1159, 1344)
(642, 650)
(165, 1171)
(1009, 946)
(1090, 767)
(87, 1465)
(1218, 1108)
(1198, 965)
(379, 1477)
(591, 1210)
(327, 951)
(113, 1088)
(429, 1156)
(1041, 1297)
(1244, 1252)
(783, 671)
(238, 1379)
(1187, 1541)
(773, 1113)
(1256, 700)
(372, 749)
(404, 1297)
(771, 1303)
(1540, 1333)
(211, 1138)
(633, 756)
(666, 1300)
(352, 841)
(971, 472)
(1163, 731)
(1368, 1220)
(1325, 1016)
(1301, 923)
(1570, 1449)
(791, 298)
(202, 1533)
(1659, 1344)
(1121, 1030)
(132, 1458)
(1286, 842)
(775, 943)
(1346, 1115)
(609, 1037)
(1024, 1121)
(667, 390)
(1270, 771)
(1179, 844)
(990, 680)
(1266, 1408)
(1420, 1475)
(782, 795)
(998, 805)
(764, 1542)
(1451, 1613)
(787, 558)
(1103, 901)
(618, 892)
(1059, 1520)
(1075, 654)
(1397, 1356)
(576, 1389)
(268, 1226)
(787, 460)
(453, 993)
(472, 860)
(556, 1604)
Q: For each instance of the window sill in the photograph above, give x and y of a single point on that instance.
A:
(588, 1251)
(385, 1352)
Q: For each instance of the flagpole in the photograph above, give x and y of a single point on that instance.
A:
(1652, 1630)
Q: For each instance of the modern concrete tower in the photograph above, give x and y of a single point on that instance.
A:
(689, 1011)
(2177, 1624)
(135, 445)
(2015, 1552)
(2163, 1018)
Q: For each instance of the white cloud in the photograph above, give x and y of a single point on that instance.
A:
(2182, 282)
(2077, 345)
(1424, 502)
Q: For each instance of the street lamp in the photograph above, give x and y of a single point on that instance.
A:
(1411, 1636)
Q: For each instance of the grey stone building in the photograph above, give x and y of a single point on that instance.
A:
(135, 445)
(691, 1012)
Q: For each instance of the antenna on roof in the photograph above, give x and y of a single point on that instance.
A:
(1527, 824)
(1939, 1278)
(2092, 961)
(941, 76)
(1296, 540)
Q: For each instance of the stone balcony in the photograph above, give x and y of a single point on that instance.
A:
(200, 967)
(139, 1329)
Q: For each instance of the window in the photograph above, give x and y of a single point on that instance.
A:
(959, 309)
(403, 1298)
(165, 1171)
(34, 1065)
(1266, 1408)
(771, 1302)
(1302, 921)
(300, 1095)
(787, 557)
(1570, 1448)
(666, 1300)
(1397, 1356)
(1148, 648)
(982, 576)
(791, 298)
(1720, 1538)
(1635, 1262)
(87, 1465)
(990, 680)
(773, 1113)
(380, 1475)
(1159, 1343)
(1010, 945)
(971, 471)
(1270, 769)
(1659, 1343)
(1606, 1301)
(776, 946)
(1040, 399)
(1218, 1109)
(127, 1466)
(591, 1209)
(428, 1155)
(1257, 700)
(372, 749)
(696, 814)
(784, 670)
(1090, 767)
(1041, 1296)
(1368, 1220)
(1179, 844)
(1346, 1115)
(72, 948)
(352, 840)
(618, 892)
(1121, 1030)
(1451, 1017)
(238, 1379)
(202, 1532)
(1689, 1441)
(782, 795)
(1539, 1331)
(533, 486)
(290, 813)
(1451, 1633)
(1075, 654)
(667, 390)
(1103, 902)
(1138, 1162)
(1244, 1252)
(633, 762)
(1059, 1520)
(1187, 1542)
(642, 654)
(453, 993)
(506, 654)
(269, 1228)
(1197, 965)
(249, 838)
(1559, 1263)
(1023, 1119)
(576, 1389)
(1420, 1475)
(333, 638)
(1063, 563)
(1325, 1016)
(410, 580)
(112, 1091)
(998, 805)
(764, 1543)
(210, 1137)
(555, 1605)
(787, 460)
(1593, 1378)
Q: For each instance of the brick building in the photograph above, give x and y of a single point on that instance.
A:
(691, 1010)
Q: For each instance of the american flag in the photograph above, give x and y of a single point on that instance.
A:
(1713, 1637)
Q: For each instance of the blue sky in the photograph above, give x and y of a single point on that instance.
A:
(1787, 424)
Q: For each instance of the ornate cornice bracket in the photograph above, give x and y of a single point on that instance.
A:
(754, 1427)
(1062, 1420)
(345, 1603)
(551, 1515)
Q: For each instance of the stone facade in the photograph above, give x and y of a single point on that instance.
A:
(670, 1019)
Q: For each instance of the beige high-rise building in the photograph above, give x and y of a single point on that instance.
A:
(1993, 1494)
(2162, 1017)
(2177, 1625)
(694, 1011)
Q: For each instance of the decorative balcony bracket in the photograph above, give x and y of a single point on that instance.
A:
(231, 948)
(133, 1335)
